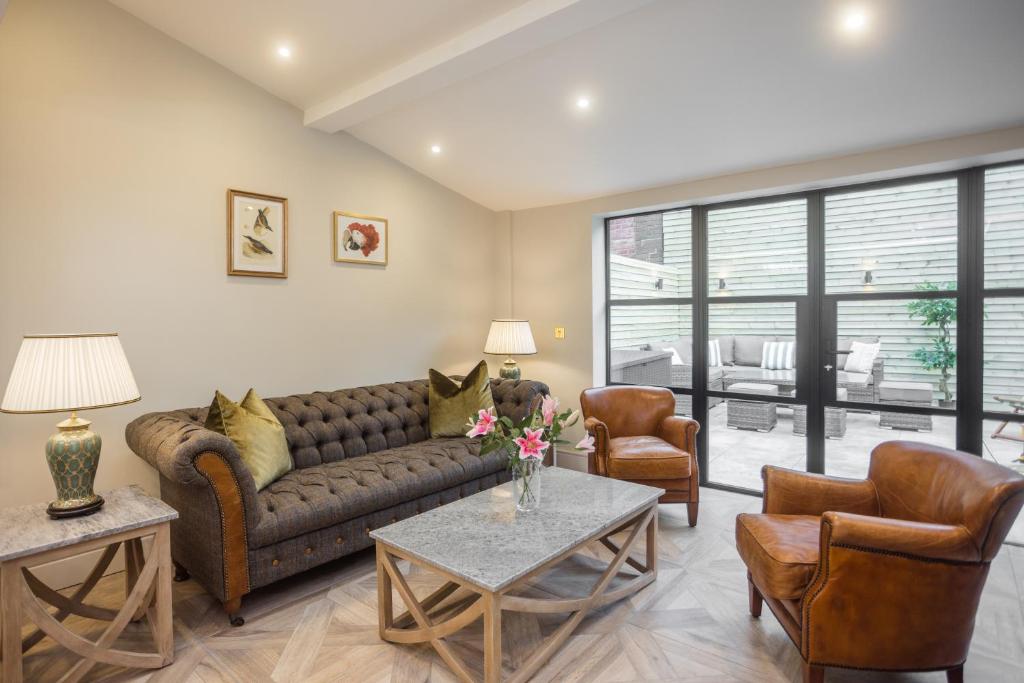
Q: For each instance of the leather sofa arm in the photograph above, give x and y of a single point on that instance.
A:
(173, 445)
(597, 462)
(789, 492)
(902, 537)
(681, 432)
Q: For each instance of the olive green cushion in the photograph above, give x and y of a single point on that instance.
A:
(257, 434)
(453, 405)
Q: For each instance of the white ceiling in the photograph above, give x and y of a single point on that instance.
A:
(681, 89)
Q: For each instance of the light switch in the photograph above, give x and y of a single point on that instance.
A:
(559, 333)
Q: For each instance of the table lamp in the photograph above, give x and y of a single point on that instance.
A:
(510, 338)
(67, 373)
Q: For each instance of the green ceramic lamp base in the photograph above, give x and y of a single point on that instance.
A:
(509, 370)
(73, 454)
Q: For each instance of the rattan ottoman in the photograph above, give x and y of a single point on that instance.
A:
(905, 394)
(835, 418)
(742, 414)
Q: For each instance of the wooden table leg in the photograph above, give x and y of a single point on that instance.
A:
(385, 609)
(652, 542)
(10, 598)
(163, 621)
(492, 637)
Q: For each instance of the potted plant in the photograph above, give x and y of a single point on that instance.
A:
(941, 355)
(525, 442)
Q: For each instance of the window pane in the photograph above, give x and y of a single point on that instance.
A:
(891, 239)
(849, 455)
(744, 436)
(652, 345)
(758, 249)
(914, 354)
(1004, 227)
(650, 255)
(739, 333)
(1004, 352)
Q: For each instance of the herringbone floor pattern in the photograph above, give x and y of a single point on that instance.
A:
(692, 624)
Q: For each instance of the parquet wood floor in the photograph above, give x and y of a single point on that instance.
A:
(691, 624)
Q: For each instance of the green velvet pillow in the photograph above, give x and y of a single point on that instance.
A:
(453, 405)
(256, 432)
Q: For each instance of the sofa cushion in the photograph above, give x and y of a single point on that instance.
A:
(454, 404)
(844, 377)
(742, 373)
(646, 457)
(747, 349)
(780, 551)
(727, 344)
(313, 498)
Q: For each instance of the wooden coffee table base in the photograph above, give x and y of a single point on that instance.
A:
(420, 625)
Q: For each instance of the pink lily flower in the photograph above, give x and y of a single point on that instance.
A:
(532, 444)
(485, 422)
(548, 409)
(586, 444)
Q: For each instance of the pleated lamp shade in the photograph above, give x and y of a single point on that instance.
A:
(60, 373)
(510, 338)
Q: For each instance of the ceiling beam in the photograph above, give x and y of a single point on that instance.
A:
(528, 27)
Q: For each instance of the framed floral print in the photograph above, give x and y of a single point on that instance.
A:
(257, 234)
(360, 239)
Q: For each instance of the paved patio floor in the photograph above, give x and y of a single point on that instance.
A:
(736, 456)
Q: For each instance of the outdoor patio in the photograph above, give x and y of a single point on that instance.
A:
(736, 456)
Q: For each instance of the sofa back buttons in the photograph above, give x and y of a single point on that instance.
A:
(309, 551)
(275, 562)
(338, 541)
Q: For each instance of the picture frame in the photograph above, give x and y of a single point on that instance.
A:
(257, 234)
(359, 239)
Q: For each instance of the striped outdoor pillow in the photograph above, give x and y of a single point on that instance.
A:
(714, 354)
(778, 355)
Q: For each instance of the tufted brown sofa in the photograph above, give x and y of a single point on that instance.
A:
(363, 459)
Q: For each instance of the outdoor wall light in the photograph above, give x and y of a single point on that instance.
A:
(867, 277)
(721, 283)
(659, 283)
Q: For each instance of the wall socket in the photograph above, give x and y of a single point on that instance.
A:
(559, 333)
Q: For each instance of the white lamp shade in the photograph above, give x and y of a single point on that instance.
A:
(510, 338)
(59, 373)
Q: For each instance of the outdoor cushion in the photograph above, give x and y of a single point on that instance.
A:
(844, 377)
(748, 349)
(727, 344)
(911, 392)
(645, 458)
(312, 498)
(715, 373)
(768, 389)
(758, 374)
(861, 357)
(684, 347)
(844, 343)
(780, 551)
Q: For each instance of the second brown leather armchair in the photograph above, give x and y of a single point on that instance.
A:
(638, 438)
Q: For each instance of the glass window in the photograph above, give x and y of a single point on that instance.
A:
(738, 334)
(744, 436)
(1003, 368)
(650, 256)
(758, 249)
(891, 239)
(1004, 227)
(652, 345)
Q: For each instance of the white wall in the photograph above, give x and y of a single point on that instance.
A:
(553, 283)
(117, 145)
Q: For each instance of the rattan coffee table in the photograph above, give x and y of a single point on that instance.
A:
(485, 551)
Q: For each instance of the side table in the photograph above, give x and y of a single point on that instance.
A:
(29, 538)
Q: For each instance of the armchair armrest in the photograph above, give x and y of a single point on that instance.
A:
(900, 536)
(788, 492)
(681, 432)
(597, 462)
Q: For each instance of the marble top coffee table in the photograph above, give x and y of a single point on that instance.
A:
(485, 550)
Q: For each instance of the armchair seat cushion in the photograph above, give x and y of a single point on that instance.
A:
(312, 498)
(780, 551)
(646, 457)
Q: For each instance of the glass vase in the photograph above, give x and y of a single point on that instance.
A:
(526, 477)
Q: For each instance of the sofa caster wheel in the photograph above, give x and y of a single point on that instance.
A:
(237, 620)
(181, 574)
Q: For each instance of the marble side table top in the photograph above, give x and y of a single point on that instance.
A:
(27, 530)
(484, 540)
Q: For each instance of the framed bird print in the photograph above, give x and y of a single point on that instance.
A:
(257, 234)
(360, 239)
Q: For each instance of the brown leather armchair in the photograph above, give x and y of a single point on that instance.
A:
(638, 438)
(883, 573)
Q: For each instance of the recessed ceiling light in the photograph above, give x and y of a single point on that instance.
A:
(284, 52)
(435, 149)
(854, 20)
(583, 102)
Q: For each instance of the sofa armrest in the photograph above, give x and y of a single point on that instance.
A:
(900, 536)
(597, 462)
(681, 432)
(789, 492)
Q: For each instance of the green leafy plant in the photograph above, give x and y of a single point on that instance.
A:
(940, 313)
